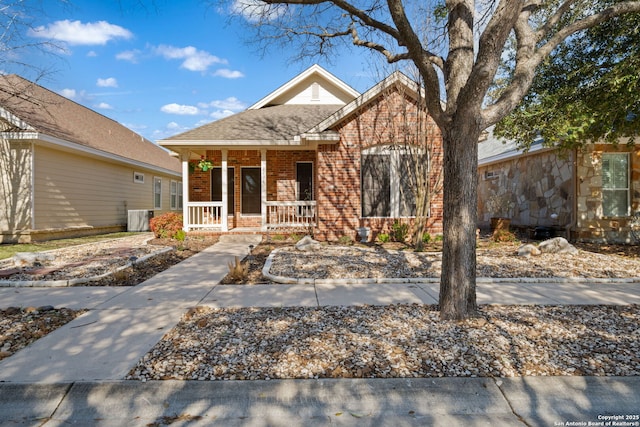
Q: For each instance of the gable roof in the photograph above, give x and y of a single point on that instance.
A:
(333, 88)
(32, 112)
(278, 119)
(395, 79)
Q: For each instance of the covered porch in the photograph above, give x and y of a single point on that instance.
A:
(261, 189)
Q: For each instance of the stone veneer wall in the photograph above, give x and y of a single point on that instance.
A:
(591, 225)
(528, 190)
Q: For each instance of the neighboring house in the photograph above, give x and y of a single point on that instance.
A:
(314, 155)
(591, 194)
(66, 170)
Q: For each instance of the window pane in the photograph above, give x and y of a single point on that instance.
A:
(251, 191)
(615, 184)
(216, 187)
(376, 196)
(157, 193)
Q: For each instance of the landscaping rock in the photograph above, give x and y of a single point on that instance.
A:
(31, 259)
(307, 244)
(557, 245)
(528, 250)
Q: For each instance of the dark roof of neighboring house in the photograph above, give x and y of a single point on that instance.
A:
(51, 114)
(276, 123)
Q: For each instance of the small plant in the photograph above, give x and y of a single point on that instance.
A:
(345, 240)
(426, 237)
(501, 236)
(438, 238)
(278, 237)
(384, 237)
(180, 235)
(295, 237)
(204, 164)
(167, 225)
(238, 271)
(399, 232)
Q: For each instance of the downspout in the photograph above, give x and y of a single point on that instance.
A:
(33, 185)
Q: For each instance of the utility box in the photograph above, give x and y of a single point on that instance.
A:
(138, 220)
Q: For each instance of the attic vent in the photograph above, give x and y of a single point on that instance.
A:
(315, 92)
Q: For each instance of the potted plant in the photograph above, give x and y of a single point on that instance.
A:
(205, 164)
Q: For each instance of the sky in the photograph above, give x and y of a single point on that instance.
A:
(162, 67)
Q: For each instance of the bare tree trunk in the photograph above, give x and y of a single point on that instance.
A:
(458, 278)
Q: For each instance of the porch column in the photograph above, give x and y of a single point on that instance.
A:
(184, 157)
(225, 196)
(263, 187)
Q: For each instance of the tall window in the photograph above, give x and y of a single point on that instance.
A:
(180, 198)
(388, 178)
(174, 195)
(157, 192)
(615, 184)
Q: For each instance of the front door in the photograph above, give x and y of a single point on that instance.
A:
(304, 181)
(251, 191)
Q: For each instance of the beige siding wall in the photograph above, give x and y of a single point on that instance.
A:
(77, 191)
(15, 189)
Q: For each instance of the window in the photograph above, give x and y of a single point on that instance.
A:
(216, 187)
(304, 181)
(180, 200)
(615, 184)
(138, 178)
(251, 191)
(388, 179)
(174, 195)
(157, 192)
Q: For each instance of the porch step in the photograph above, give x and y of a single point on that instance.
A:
(252, 239)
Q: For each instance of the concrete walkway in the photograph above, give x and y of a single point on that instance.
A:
(73, 375)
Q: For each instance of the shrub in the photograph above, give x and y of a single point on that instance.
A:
(426, 237)
(239, 271)
(503, 236)
(384, 237)
(167, 225)
(438, 238)
(345, 240)
(399, 232)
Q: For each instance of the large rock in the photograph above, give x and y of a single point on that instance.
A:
(307, 244)
(31, 259)
(528, 250)
(557, 245)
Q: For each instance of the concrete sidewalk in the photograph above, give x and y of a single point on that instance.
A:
(73, 375)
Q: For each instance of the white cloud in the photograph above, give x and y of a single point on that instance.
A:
(173, 126)
(104, 106)
(193, 59)
(129, 55)
(231, 103)
(221, 114)
(92, 54)
(108, 82)
(183, 110)
(68, 93)
(256, 10)
(228, 74)
(78, 33)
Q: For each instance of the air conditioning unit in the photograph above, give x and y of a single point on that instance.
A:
(138, 220)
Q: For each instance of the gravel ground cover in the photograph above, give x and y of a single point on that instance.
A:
(19, 327)
(395, 341)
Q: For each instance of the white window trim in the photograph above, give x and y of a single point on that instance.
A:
(173, 195)
(394, 154)
(138, 177)
(155, 180)
(627, 189)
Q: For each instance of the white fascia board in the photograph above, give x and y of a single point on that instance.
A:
(297, 79)
(328, 136)
(39, 138)
(395, 78)
(15, 120)
(230, 143)
(509, 155)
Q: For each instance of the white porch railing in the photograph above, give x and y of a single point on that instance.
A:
(204, 215)
(291, 214)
